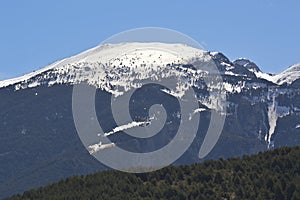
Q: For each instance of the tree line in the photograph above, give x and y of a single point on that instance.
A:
(270, 175)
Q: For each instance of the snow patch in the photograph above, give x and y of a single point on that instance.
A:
(274, 112)
(272, 116)
(98, 147)
(172, 93)
(288, 76)
(125, 127)
(198, 110)
(265, 76)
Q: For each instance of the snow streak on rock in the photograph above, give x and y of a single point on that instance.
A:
(125, 127)
(272, 117)
(99, 147)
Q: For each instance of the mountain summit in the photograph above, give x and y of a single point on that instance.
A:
(251, 66)
(109, 57)
(139, 57)
(288, 76)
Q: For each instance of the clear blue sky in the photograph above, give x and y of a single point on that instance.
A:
(34, 33)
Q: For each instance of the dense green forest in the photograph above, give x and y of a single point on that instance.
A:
(270, 175)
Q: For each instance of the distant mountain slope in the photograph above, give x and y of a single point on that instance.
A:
(288, 76)
(107, 57)
(270, 175)
(39, 143)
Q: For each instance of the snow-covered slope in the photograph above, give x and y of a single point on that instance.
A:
(251, 66)
(288, 76)
(137, 55)
(117, 68)
(12, 81)
(247, 64)
(121, 64)
(226, 67)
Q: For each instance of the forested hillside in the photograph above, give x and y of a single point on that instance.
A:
(271, 175)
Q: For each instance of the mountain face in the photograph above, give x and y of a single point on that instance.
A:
(39, 143)
(289, 76)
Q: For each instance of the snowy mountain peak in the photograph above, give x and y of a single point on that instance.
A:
(288, 76)
(220, 57)
(132, 55)
(117, 68)
(111, 66)
(227, 67)
(251, 66)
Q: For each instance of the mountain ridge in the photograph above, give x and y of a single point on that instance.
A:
(182, 51)
(38, 137)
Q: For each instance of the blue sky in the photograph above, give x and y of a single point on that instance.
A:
(36, 33)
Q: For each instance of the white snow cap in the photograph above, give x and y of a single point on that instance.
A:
(128, 54)
(135, 56)
(288, 76)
